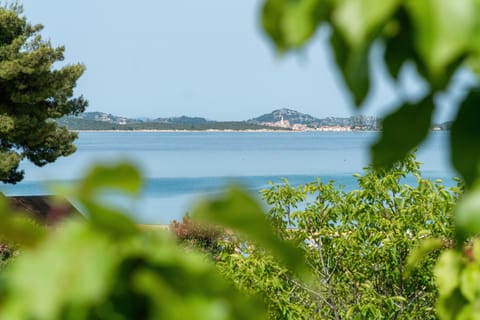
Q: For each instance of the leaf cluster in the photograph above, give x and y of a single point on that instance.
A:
(105, 267)
(438, 38)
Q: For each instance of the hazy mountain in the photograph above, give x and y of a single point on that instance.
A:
(294, 117)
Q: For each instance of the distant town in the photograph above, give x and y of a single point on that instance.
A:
(277, 120)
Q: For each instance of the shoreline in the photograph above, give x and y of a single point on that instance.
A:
(226, 130)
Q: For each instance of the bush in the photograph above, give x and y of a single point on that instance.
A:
(199, 235)
(357, 245)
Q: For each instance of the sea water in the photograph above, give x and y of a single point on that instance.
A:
(180, 167)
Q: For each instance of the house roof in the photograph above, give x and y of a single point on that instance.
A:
(45, 209)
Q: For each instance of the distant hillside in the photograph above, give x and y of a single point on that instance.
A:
(103, 121)
(106, 121)
(105, 117)
(184, 120)
(110, 118)
(294, 117)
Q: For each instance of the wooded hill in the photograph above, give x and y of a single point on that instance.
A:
(105, 121)
(182, 123)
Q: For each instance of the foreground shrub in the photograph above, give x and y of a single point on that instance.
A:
(356, 244)
(199, 235)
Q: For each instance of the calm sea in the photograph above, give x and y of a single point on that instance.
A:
(179, 167)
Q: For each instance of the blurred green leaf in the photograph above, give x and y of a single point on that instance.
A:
(443, 31)
(101, 180)
(465, 138)
(469, 281)
(359, 20)
(354, 67)
(447, 272)
(109, 219)
(72, 268)
(418, 254)
(398, 43)
(453, 307)
(239, 211)
(80, 272)
(476, 249)
(122, 177)
(403, 130)
(206, 296)
(18, 227)
(467, 215)
(356, 23)
(291, 23)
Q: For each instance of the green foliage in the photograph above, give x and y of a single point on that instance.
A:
(458, 278)
(357, 245)
(438, 36)
(33, 92)
(458, 271)
(240, 212)
(257, 273)
(104, 267)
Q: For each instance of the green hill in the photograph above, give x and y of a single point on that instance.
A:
(75, 123)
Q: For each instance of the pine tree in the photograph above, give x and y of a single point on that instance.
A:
(32, 94)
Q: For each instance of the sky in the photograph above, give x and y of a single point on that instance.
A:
(209, 58)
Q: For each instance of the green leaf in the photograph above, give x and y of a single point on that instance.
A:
(417, 255)
(291, 23)
(121, 177)
(239, 211)
(359, 20)
(470, 281)
(443, 31)
(357, 23)
(354, 67)
(453, 307)
(398, 43)
(403, 130)
(476, 249)
(72, 268)
(110, 220)
(447, 272)
(467, 215)
(465, 138)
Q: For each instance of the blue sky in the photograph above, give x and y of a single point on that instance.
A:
(209, 58)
